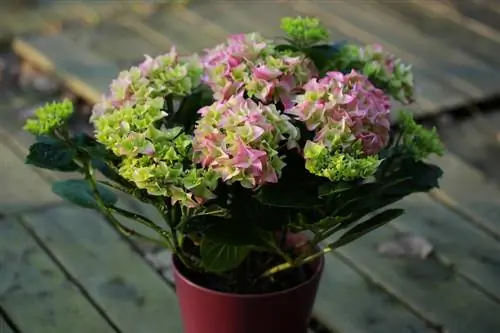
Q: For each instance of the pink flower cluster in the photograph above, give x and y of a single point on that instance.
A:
(248, 62)
(154, 77)
(343, 108)
(393, 70)
(239, 138)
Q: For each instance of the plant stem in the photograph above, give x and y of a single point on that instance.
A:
(104, 210)
(170, 105)
(146, 222)
(296, 263)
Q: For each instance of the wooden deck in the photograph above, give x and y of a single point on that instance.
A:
(63, 269)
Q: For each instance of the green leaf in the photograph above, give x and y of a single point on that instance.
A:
(426, 176)
(187, 114)
(217, 257)
(287, 47)
(79, 192)
(367, 226)
(234, 233)
(52, 156)
(331, 188)
(287, 197)
(212, 210)
(321, 55)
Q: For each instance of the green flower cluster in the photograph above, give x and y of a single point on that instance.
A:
(337, 166)
(49, 118)
(304, 31)
(416, 140)
(155, 158)
(131, 123)
(381, 67)
(164, 75)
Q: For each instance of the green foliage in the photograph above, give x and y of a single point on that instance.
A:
(416, 140)
(337, 166)
(304, 31)
(365, 227)
(49, 118)
(80, 192)
(287, 196)
(221, 257)
(52, 156)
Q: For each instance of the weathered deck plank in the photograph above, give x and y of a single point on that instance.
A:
(14, 106)
(35, 293)
(446, 24)
(22, 189)
(86, 74)
(431, 289)
(475, 140)
(445, 81)
(446, 65)
(177, 24)
(19, 18)
(468, 191)
(115, 277)
(4, 326)
(469, 251)
(347, 303)
(479, 11)
(238, 17)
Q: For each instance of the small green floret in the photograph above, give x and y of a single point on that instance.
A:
(49, 118)
(338, 166)
(417, 140)
(304, 31)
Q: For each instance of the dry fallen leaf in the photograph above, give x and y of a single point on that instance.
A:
(406, 245)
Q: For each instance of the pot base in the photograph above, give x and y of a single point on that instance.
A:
(208, 311)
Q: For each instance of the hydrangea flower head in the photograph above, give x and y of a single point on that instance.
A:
(383, 67)
(342, 108)
(163, 75)
(49, 117)
(304, 31)
(251, 64)
(240, 140)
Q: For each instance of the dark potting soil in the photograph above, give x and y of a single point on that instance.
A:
(247, 278)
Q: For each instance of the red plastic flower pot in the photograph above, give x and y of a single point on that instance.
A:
(208, 311)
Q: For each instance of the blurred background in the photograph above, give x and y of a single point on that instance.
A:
(436, 269)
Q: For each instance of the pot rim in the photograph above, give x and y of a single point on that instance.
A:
(318, 271)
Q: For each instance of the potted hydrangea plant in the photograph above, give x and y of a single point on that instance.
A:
(260, 156)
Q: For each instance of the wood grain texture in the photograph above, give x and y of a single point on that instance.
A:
(34, 292)
(84, 73)
(478, 10)
(22, 188)
(468, 191)
(39, 16)
(4, 326)
(431, 289)
(348, 303)
(447, 76)
(458, 244)
(239, 17)
(475, 140)
(445, 23)
(446, 65)
(114, 276)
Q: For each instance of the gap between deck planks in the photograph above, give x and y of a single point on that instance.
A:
(35, 293)
(4, 326)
